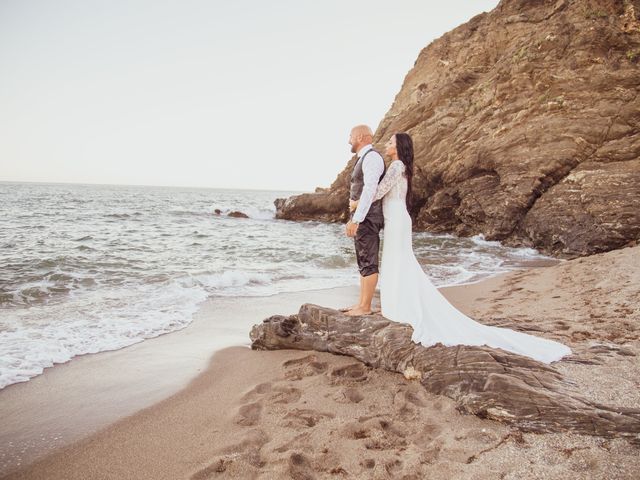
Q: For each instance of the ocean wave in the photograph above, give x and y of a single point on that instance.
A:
(523, 252)
(215, 282)
(181, 212)
(260, 213)
(94, 322)
(123, 215)
(482, 241)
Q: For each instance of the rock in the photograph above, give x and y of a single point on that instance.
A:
(235, 214)
(487, 382)
(526, 124)
(583, 212)
(217, 211)
(323, 206)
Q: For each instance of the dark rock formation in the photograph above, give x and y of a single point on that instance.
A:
(487, 382)
(234, 213)
(526, 123)
(321, 205)
(237, 215)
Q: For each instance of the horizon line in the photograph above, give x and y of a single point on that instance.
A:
(161, 186)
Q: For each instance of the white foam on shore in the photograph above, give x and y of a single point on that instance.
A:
(37, 337)
(91, 321)
(523, 252)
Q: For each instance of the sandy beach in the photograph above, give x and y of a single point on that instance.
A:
(297, 414)
(74, 399)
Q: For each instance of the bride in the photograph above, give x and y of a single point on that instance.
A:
(406, 293)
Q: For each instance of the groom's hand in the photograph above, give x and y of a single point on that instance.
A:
(352, 228)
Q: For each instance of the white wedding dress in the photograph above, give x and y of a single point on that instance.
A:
(408, 296)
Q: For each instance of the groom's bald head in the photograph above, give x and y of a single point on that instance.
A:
(361, 135)
(363, 130)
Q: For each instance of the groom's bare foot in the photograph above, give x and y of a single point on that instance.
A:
(358, 311)
(347, 309)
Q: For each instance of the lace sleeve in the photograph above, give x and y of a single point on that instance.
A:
(394, 173)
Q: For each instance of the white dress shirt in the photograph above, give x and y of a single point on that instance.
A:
(372, 169)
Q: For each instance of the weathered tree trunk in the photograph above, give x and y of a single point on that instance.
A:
(483, 381)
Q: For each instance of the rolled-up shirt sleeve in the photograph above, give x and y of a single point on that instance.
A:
(372, 169)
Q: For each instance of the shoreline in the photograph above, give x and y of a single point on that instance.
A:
(134, 380)
(39, 417)
(538, 263)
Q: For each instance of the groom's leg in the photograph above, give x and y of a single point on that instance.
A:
(367, 290)
(367, 243)
(369, 282)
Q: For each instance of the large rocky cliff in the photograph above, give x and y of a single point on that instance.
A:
(526, 124)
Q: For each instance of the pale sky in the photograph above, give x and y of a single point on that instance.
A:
(235, 94)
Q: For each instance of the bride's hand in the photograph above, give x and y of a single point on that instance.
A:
(353, 204)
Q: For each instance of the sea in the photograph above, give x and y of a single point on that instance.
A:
(91, 268)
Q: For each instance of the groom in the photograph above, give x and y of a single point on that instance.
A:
(367, 221)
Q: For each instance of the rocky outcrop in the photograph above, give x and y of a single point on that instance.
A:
(233, 214)
(236, 214)
(526, 123)
(487, 382)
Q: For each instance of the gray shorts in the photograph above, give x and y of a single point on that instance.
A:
(367, 242)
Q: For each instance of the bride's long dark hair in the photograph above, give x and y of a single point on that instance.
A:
(404, 147)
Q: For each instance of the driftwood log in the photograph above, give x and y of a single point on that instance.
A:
(487, 382)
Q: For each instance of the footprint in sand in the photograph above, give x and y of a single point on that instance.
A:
(349, 395)
(428, 433)
(299, 441)
(245, 452)
(307, 366)
(416, 397)
(211, 471)
(249, 447)
(260, 389)
(303, 417)
(300, 467)
(368, 463)
(393, 466)
(285, 394)
(354, 372)
(249, 414)
(406, 412)
(430, 454)
(377, 433)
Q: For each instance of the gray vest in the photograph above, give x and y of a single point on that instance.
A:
(357, 184)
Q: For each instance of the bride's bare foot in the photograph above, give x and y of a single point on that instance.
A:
(358, 311)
